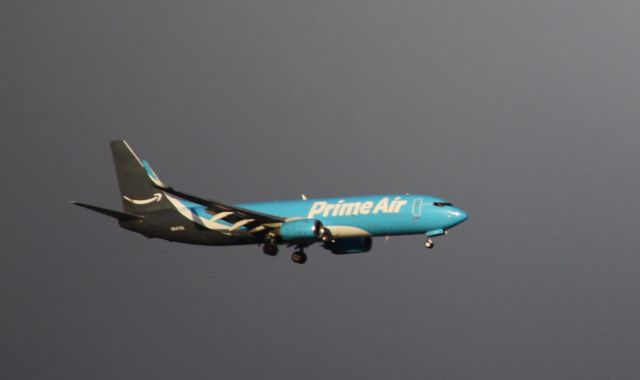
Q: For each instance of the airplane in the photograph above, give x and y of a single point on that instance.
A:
(343, 225)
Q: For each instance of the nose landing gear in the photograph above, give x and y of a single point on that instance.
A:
(429, 243)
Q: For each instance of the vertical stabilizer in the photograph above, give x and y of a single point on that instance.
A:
(136, 189)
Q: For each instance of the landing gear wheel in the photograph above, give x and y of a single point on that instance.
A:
(270, 249)
(299, 257)
(428, 244)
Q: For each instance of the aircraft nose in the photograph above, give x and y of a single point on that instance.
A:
(458, 216)
(463, 215)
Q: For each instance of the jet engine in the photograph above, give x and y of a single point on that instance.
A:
(304, 229)
(350, 245)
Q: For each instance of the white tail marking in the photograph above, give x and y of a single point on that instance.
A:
(157, 197)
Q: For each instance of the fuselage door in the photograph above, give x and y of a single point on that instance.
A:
(416, 211)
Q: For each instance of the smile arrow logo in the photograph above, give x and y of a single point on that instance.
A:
(156, 198)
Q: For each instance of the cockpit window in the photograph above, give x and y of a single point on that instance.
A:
(442, 204)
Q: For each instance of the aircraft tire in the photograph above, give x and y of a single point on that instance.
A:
(270, 249)
(299, 257)
(428, 244)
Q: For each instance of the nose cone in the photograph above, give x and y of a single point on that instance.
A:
(456, 216)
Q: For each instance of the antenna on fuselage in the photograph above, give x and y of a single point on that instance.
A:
(304, 197)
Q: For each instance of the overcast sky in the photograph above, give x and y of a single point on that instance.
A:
(523, 113)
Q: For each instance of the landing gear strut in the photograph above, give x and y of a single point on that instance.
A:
(299, 257)
(428, 243)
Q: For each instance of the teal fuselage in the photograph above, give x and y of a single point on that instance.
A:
(376, 215)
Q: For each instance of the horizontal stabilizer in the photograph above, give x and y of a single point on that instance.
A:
(121, 216)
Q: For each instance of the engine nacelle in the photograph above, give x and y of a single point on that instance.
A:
(350, 245)
(302, 229)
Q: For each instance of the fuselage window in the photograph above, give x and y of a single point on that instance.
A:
(442, 204)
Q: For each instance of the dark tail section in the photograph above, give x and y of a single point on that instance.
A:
(135, 181)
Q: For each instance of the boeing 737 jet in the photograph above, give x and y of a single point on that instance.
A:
(342, 225)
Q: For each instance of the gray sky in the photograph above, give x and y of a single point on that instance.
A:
(523, 113)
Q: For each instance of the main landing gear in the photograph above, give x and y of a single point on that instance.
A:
(429, 243)
(270, 249)
(299, 257)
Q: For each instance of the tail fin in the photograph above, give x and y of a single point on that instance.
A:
(134, 178)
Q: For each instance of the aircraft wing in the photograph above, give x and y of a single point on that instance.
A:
(239, 217)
